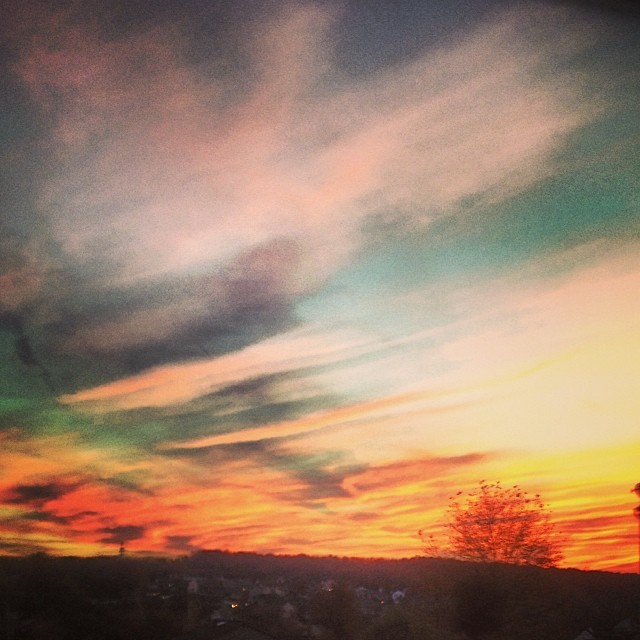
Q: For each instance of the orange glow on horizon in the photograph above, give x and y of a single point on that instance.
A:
(372, 512)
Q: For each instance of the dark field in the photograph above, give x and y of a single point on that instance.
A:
(215, 595)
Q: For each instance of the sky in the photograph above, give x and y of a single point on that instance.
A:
(285, 276)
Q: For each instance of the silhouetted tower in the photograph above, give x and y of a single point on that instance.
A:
(122, 550)
(636, 513)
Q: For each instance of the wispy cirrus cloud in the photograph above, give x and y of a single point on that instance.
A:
(176, 384)
(188, 216)
(196, 265)
(512, 341)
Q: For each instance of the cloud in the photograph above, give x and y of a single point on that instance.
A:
(320, 420)
(407, 471)
(38, 494)
(122, 533)
(321, 475)
(174, 320)
(184, 215)
(44, 516)
(165, 386)
(186, 206)
(18, 546)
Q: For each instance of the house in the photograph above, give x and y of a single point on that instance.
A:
(226, 631)
(625, 630)
(398, 595)
(239, 631)
(246, 633)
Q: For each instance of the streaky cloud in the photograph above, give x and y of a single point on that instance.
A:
(155, 179)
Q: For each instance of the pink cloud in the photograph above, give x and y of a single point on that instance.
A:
(189, 178)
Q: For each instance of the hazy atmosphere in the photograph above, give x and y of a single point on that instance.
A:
(284, 276)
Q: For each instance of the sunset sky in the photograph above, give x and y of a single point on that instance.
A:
(284, 276)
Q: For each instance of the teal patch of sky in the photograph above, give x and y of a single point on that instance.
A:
(69, 374)
(25, 399)
(27, 404)
(132, 429)
(57, 419)
(141, 428)
(153, 426)
(18, 379)
(18, 122)
(593, 201)
(42, 417)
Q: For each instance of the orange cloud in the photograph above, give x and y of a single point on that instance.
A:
(231, 504)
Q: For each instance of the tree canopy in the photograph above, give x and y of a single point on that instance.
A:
(497, 524)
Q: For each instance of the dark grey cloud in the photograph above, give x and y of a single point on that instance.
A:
(123, 533)
(37, 493)
(46, 516)
(24, 415)
(234, 408)
(24, 349)
(131, 482)
(320, 482)
(319, 476)
(27, 522)
(20, 547)
(30, 521)
(626, 8)
(76, 320)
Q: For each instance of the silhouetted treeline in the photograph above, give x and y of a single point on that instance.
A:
(211, 595)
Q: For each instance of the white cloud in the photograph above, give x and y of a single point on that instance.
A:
(158, 172)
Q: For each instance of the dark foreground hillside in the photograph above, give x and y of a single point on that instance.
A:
(219, 596)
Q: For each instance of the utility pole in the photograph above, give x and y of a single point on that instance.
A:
(636, 513)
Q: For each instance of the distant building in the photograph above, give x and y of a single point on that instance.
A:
(288, 611)
(398, 595)
(239, 631)
(193, 586)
